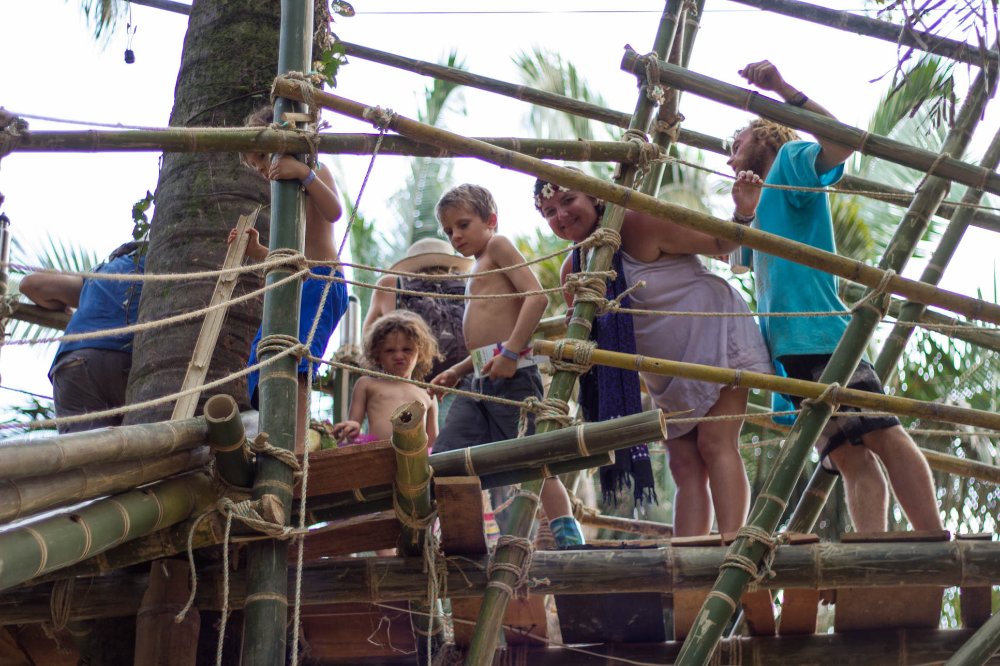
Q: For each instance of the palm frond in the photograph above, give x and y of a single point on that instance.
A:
(103, 16)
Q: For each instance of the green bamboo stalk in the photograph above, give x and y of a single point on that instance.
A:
(894, 344)
(665, 570)
(413, 499)
(25, 497)
(821, 126)
(227, 436)
(4, 268)
(59, 541)
(799, 387)
(814, 498)
(829, 262)
(981, 648)
(770, 504)
(26, 456)
(901, 35)
(266, 616)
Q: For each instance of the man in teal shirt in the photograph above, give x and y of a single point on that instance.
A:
(802, 346)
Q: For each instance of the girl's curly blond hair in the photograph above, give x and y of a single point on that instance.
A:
(770, 133)
(411, 325)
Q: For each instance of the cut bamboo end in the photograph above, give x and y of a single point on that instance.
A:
(225, 428)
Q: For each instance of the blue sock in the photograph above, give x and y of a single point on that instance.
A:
(566, 531)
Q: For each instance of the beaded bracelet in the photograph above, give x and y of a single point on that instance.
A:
(307, 181)
(744, 219)
(508, 354)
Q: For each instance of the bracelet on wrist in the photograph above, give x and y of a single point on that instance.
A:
(744, 219)
(508, 353)
(307, 181)
(798, 99)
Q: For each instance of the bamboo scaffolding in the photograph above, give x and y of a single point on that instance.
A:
(412, 497)
(901, 35)
(798, 387)
(645, 528)
(981, 646)
(59, 541)
(227, 438)
(267, 561)
(25, 497)
(665, 570)
(770, 504)
(33, 314)
(26, 456)
(829, 262)
(821, 126)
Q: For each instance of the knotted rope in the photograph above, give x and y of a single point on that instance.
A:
(758, 572)
(549, 409)
(520, 572)
(583, 352)
(880, 291)
(651, 84)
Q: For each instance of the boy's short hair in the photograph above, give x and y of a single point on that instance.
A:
(770, 133)
(413, 326)
(474, 197)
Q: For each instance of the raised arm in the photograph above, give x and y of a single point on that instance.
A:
(318, 184)
(383, 302)
(53, 291)
(766, 76)
(645, 238)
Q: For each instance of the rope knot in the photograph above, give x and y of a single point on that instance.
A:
(655, 91)
(583, 351)
(285, 258)
(520, 572)
(828, 396)
(12, 129)
(379, 117)
(602, 236)
(876, 299)
(261, 446)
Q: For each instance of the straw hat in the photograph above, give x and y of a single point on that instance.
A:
(429, 252)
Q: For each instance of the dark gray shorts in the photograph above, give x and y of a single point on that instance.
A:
(89, 380)
(472, 421)
(843, 429)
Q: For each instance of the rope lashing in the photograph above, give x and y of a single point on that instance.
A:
(276, 342)
(589, 286)
(648, 153)
(758, 572)
(549, 409)
(880, 291)
(260, 446)
(602, 236)
(615, 304)
(582, 361)
(13, 129)
(520, 572)
(379, 117)
(654, 89)
(931, 169)
(828, 396)
(285, 259)
(61, 602)
(252, 513)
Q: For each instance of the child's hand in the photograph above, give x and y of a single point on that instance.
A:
(346, 430)
(287, 167)
(254, 249)
(448, 378)
(499, 367)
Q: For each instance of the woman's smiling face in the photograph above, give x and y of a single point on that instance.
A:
(572, 215)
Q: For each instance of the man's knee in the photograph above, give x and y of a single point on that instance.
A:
(885, 441)
(854, 461)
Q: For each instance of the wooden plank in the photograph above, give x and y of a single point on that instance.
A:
(758, 611)
(211, 326)
(975, 602)
(347, 468)
(798, 612)
(460, 509)
(523, 618)
(867, 608)
(879, 537)
(11, 653)
(352, 535)
(345, 631)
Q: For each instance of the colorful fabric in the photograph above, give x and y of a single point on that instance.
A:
(566, 531)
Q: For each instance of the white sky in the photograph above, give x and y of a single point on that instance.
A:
(52, 67)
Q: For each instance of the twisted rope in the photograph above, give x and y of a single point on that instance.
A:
(520, 572)
(582, 361)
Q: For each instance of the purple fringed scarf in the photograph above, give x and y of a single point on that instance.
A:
(607, 393)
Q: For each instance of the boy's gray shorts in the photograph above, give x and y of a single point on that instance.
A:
(474, 421)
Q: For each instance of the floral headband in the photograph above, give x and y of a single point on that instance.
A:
(545, 190)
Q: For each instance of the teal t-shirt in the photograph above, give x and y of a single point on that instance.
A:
(782, 285)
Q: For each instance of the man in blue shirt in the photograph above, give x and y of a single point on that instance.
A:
(802, 346)
(90, 375)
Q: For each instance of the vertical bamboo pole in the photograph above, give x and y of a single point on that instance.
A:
(4, 271)
(266, 611)
(413, 504)
(226, 436)
(770, 504)
(522, 510)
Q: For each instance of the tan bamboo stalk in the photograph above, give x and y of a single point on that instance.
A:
(835, 264)
(414, 509)
(901, 35)
(800, 387)
(642, 527)
(59, 541)
(665, 570)
(216, 139)
(32, 314)
(227, 438)
(981, 647)
(25, 497)
(29, 456)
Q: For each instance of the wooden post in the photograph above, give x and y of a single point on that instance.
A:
(160, 641)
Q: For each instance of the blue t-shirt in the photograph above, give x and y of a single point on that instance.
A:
(107, 304)
(785, 286)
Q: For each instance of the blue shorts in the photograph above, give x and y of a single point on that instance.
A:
(333, 310)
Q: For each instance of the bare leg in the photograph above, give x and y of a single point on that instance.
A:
(692, 503)
(909, 475)
(719, 446)
(864, 485)
(555, 499)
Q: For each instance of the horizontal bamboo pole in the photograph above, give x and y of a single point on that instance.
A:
(59, 541)
(849, 269)
(821, 126)
(33, 314)
(901, 35)
(646, 528)
(227, 437)
(33, 456)
(798, 387)
(24, 497)
(964, 563)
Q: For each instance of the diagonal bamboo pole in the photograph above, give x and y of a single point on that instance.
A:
(771, 502)
(943, 165)
(267, 612)
(843, 267)
(981, 647)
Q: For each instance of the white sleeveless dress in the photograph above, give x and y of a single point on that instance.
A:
(681, 283)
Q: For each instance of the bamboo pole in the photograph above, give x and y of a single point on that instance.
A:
(665, 570)
(26, 456)
(829, 262)
(227, 438)
(772, 500)
(33, 314)
(894, 344)
(59, 541)
(901, 35)
(266, 617)
(25, 497)
(821, 126)
(981, 647)
(412, 499)
(646, 528)
(798, 387)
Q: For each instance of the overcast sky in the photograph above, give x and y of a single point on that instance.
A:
(52, 67)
